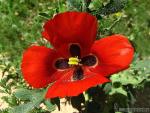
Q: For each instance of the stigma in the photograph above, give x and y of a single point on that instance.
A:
(73, 61)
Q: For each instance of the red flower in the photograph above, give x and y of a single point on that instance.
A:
(76, 62)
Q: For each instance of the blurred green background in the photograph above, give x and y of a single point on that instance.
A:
(21, 24)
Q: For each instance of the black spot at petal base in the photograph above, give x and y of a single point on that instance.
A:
(75, 50)
(78, 73)
(62, 64)
(89, 60)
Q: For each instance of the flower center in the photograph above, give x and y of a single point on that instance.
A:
(73, 61)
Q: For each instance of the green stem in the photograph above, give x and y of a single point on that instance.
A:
(84, 4)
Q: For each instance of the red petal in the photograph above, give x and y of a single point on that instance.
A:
(66, 87)
(114, 53)
(37, 66)
(71, 27)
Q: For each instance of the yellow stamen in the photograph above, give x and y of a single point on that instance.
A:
(73, 61)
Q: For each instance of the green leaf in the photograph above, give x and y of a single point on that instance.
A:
(49, 105)
(35, 97)
(142, 65)
(23, 94)
(125, 78)
(45, 15)
(107, 87)
(4, 110)
(74, 5)
(24, 108)
(118, 90)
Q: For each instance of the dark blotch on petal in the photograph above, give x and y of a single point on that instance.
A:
(89, 60)
(61, 64)
(74, 50)
(78, 73)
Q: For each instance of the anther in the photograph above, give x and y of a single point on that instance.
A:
(73, 61)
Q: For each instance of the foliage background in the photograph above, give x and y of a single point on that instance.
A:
(21, 24)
